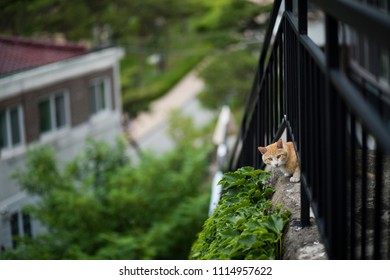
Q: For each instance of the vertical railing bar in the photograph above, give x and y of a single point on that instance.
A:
(322, 143)
(251, 144)
(254, 143)
(291, 79)
(353, 187)
(288, 5)
(284, 67)
(336, 160)
(261, 116)
(259, 128)
(295, 98)
(287, 67)
(271, 95)
(364, 196)
(276, 92)
(255, 136)
(297, 127)
(302, 93)
(311, 129)
(378, 202)
(388, 221)
(280, 71)
(316, 127)
(269, 108)
(275, 87)
(266, 109)
(276, 81)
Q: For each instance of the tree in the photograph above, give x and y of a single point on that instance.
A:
(228, 79)
(76, 18)
(100, 206)
(230, 15)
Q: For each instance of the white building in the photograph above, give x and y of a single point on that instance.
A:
(50, 94)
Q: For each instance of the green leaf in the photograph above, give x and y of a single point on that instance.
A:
(245, 169)
(278, 222)
(237, 183)
(236, 220)
(247, 240)
(268, 191)
(229, 233)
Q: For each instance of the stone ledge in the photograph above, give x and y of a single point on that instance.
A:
(299, 243)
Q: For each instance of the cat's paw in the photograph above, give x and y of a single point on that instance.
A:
(295, 179)
(287, 174)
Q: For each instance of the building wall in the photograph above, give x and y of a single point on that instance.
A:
(67, 142)
(79, 101)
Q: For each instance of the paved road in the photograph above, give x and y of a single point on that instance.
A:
(150, 129)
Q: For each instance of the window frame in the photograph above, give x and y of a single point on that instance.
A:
(54, 128)
(9, 145)
(96, 109)
(20, 225)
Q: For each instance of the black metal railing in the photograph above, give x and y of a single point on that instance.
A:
(334, 103)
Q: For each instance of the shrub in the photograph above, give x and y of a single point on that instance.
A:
(101, 206)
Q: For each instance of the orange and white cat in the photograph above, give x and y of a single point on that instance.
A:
(282, 155)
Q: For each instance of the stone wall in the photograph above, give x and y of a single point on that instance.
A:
(299, 243)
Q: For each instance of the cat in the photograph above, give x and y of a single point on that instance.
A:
(282, 155)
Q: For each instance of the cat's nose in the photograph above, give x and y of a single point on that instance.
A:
(276, 164)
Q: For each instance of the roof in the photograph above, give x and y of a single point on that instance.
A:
(17, 54)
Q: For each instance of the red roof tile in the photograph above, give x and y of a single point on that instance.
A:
(18, 54)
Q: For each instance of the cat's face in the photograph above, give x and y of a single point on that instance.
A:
(274, 155)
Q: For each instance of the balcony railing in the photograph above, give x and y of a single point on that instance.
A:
(334, 103)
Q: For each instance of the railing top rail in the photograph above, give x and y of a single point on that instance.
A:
(261, 62)
(363, 18)
(362, 111)
(269, 33)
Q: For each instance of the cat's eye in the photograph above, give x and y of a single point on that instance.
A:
(278, 157)
(270, 158)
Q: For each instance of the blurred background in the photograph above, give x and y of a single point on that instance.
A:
(111, 113)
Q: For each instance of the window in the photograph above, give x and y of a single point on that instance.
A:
(27, 224)
(20, 226)
(99, 94)
(15, 229)
(53, 112)
(11, 127)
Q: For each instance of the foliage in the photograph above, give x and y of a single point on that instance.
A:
(180, 32)
(138, 17)
(234, 15)
(245, 225)
(184, 132)
(100, 206)
(228, 79)
(181, 45)
(137, 97)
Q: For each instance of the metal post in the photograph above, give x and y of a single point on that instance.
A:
(335, 128)
(302, 92)
(378, 203)
(288, 5)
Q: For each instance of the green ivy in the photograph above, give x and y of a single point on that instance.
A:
(245, 224)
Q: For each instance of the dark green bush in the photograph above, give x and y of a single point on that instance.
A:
(100, 206)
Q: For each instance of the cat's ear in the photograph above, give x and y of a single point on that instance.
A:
(262, 150)
(279, 144)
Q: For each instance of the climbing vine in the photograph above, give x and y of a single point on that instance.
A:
(245, 224)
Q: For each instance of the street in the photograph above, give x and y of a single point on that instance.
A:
(149, 129)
